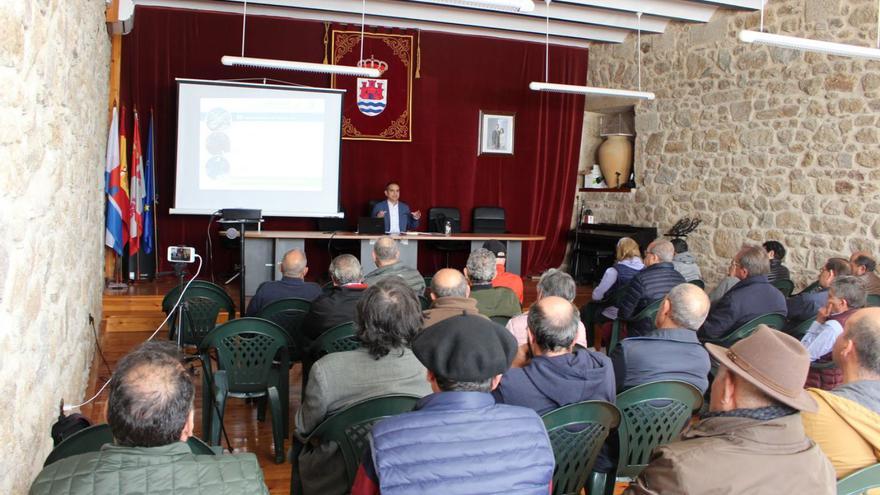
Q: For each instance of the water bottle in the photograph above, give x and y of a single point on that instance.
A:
(447, 227)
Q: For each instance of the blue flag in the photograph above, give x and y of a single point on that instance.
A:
(147, 239)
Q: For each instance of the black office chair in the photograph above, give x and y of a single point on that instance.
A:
(437, 218)
(489, 220)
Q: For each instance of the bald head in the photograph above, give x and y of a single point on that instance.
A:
(685, 306)
(386, 252)
(449, 282)
(553, 321)
(293, 265)
(857, 350)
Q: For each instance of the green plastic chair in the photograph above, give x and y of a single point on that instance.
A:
(650, 312)
(577, 433)
(873, 301)
(289, 314)
(203, 304)
(652, 414)
(860, 481)
(91, 439)
(501, 320)
(246, 349)
(350, 429)
(784, 285)
(772, 320)
(808, 288)
(425, 302)
(801, 328)
(699, 283)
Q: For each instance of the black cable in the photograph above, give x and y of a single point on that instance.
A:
(98, 345)
(210, 245)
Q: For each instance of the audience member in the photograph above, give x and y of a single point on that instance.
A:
(805, 305)
(776, 253)
(863, 265)
(847, 424)
(845, 296)
(553, 282)
(649, 285)
(672, 351)
(386, 256)
(556, 375)
(628, 262)
(387, 318)
(150, 412)
(504, 278)
(491, 301)
(292, 284)
(684, 262)
(752, 297)
(751, 440)
(458, 440)
(338, 306)
(450, 296)
(724, 285)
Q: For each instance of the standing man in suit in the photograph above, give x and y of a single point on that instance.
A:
(398, 217)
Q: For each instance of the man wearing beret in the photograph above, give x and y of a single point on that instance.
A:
(458, 440)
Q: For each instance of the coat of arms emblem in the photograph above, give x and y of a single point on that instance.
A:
(372, 94)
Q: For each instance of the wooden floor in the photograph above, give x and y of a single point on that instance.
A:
(130, 316)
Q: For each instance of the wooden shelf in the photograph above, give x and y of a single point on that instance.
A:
(605, 189)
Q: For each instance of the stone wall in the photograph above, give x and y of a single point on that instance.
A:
(761, 143)
(54, 62)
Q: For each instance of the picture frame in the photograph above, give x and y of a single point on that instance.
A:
(496, 133)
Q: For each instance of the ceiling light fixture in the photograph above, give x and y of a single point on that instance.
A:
(507, 5)
(268, 63)
(590, 90)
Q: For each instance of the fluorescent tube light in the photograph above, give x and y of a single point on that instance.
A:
(826, 47)
(589, 90)
(267, 63)
(509, 5)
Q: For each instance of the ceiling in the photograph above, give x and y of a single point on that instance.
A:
(572, 22)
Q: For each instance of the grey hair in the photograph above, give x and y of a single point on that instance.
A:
(663, 249)
(555, 282)
(852, 290)
(386, 249)
(553, 332)
(481, 266)
(689, 306)
(346, 269)
(754, 259)
(295, 269)
(864, 332)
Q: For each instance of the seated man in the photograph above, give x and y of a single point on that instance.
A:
(672, 351)
(338, 306)
(752, 297)
(491, 301)
(863, 265)
(386, 256)
(684, 262)
(450, 296)
(776, 253)
(847, 424)
(292, 284)
(846, 295)
(649, 285)
(553, 282)
(805, 305)
(397, 215)
(150, 411)
(751, 441)
(388, 317)
(504, 278)
(458, 440)
(556, 376)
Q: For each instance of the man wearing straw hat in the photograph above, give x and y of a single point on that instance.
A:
(751, 440)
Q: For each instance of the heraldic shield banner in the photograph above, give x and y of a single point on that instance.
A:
(375, 109)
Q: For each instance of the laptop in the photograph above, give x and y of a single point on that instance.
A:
(371, 225)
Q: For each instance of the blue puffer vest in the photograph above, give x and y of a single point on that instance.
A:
(463, 443)
(624, 275)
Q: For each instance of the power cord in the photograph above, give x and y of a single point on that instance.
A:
(210, 244)
(98, 345)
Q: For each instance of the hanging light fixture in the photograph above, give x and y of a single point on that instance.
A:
(508, 5)
(267, 63)
(808, 45)
(590, 90)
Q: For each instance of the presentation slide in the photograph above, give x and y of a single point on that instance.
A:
(268, 147)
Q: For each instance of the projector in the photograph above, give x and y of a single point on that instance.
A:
(240, 215)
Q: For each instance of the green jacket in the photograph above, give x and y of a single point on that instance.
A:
(166, 470)
(411, 276)
(495, 301)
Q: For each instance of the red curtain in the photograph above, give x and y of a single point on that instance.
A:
(460, 75)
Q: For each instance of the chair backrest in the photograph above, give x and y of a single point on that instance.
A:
(201, 304)
(649, 313)
(577, 432)
(437, 217)
(288, 314)
(424, 302)
(338, 339)
(501, 320)
(873, 301)
(801, 328)
(784, 285)
(809, 288)
(350, 428)
(91, 439)
(246, 349)
(652, 414)
(699, 283)
(200, 288)
(860, 481)
(772, 320)
(489, 220)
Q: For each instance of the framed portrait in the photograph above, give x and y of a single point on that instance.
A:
(496, 133)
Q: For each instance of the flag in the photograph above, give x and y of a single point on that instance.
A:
(147, 240)
(123, 172)
(114, 236)
(136, 191)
